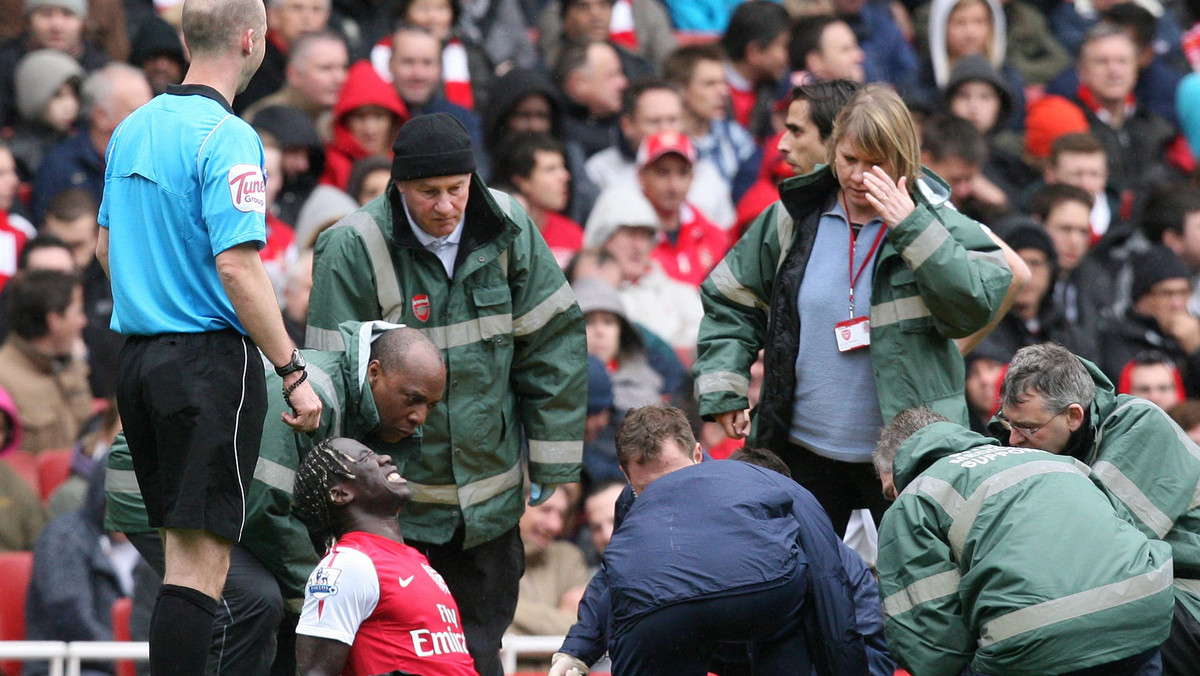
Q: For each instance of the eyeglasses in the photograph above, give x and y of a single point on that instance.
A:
(1026, 432)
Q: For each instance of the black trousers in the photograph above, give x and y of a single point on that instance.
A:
(249, 615)
(840, 487)
(484, 581)
(1181, 652)
(682, 638)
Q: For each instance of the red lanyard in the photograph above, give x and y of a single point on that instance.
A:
(866, 261)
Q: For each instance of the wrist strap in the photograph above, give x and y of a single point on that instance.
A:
(287, 390)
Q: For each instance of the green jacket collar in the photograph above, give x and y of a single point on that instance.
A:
(488, 229)
(362, 415)
(930, 444)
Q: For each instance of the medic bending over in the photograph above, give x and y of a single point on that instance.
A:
(374, 605)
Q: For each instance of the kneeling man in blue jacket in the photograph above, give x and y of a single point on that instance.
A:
(716, 553)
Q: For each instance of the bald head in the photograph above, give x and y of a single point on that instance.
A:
(393, 348)
(213, 27)
(407, 380)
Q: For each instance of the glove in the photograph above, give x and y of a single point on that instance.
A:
(563, 664)
(539, 493)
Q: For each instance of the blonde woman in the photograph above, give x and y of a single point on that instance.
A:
(855, 284)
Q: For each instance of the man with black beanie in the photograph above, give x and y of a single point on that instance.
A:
(1157, 319)
(466, 266)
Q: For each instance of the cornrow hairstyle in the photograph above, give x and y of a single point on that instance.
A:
(321, 469)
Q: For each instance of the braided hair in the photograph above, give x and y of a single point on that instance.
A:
(322, 467)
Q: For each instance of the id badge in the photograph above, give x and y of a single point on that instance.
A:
(853, 334)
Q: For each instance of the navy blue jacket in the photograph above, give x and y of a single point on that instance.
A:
(74, 163)
(720, 528)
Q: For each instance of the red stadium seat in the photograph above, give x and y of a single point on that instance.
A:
(24, 464)
(121, 610)
(15, 571)
(53, 468)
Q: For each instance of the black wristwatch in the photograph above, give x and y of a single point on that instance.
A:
(296, 364)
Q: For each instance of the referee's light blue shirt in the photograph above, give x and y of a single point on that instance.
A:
(183, 182)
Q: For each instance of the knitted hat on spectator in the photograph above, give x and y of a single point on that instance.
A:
(76, 7)
(618, 206)
(289, 125)
(39, 75)
(596, 295)
(1029, 235)
(156, 38)
(1156, 264)
(1049, 118)
(600, 392)
(432, 145)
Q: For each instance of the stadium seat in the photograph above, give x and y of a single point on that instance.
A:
(53, 468)
(17, 568)
(121, 610)
(24, 464)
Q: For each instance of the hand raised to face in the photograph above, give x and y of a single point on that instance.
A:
(890, 199)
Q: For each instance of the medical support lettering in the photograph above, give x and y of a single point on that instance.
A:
(985, 454)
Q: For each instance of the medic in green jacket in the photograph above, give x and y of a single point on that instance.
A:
(1010, 559)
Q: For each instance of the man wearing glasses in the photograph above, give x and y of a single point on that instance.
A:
(1057, 402)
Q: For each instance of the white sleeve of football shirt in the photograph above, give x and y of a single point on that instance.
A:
(341, 593)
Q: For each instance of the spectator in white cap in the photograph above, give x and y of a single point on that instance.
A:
(690, 244)
(51, 24)
(624, 224)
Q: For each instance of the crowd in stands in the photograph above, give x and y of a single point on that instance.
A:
(642, 137)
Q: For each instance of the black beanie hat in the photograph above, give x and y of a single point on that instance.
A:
(1025, 234)
(1154, 265)
(432, 145)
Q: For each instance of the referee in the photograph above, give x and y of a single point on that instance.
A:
(182, 222)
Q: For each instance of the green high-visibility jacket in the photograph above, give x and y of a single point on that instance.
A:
(938, 276)
(512, 337)
(1011, 560)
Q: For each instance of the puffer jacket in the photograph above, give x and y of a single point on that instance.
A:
(938, 276)
(511, 335)
(1150, 470)
(272, 533)
(1010, 560)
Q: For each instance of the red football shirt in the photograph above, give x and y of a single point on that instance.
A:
(391, 607)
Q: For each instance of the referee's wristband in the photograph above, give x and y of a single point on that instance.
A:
(288, 389)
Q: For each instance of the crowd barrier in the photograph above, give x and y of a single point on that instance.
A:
(65, 658)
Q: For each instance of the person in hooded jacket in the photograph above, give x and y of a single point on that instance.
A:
(366, 119)
(1149, 468)
(366, 389)
(978, 93)
(961, 28)
(158, 51)
(47, 88)
(987, 547)
(524, 100)
(21, 513)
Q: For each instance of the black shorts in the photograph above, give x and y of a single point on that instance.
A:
(192, 405)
